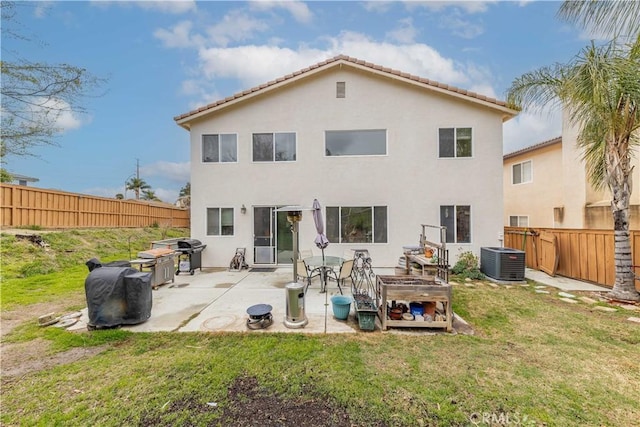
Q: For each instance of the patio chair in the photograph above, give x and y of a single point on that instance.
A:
(305, 273)
(345, 273)
(306, 253)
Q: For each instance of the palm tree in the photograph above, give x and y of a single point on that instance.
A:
(149, 194)
(617, 18)
(137, 185)
(600, 90)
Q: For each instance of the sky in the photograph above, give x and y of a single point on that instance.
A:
(160, 59)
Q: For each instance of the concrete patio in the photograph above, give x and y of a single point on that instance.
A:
(216, 300)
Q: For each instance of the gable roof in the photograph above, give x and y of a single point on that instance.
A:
(557, 140)
(507, 112)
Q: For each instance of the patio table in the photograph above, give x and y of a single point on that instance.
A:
(323, 265)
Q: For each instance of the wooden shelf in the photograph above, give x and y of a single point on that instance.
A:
(413, 288)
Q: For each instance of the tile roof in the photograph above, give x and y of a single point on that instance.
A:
(358, 62)
(533, 147)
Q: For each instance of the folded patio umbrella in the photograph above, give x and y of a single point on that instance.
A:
(321, 239)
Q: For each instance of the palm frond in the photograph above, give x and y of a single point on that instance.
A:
(616, 18)
(537, 89)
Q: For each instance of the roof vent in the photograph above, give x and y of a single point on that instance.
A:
(341, 89)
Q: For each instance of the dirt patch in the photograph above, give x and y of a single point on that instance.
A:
(250, 404)
(25, 357)
(13, 318)
(35, 355)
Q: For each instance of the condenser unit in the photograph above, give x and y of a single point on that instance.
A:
(502, 263)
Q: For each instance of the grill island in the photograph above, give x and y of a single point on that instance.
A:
(415, 289)
(189, 255)
(160, 262)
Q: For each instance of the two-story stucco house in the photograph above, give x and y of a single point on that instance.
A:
(383, 151)
(546, 185)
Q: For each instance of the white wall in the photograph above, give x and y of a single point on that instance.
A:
(410, 180)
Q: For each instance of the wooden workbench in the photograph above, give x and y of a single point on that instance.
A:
(410, 289)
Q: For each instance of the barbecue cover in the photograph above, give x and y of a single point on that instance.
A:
(118, 296)
(189, 243)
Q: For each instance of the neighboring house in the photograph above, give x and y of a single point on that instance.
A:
(22, 179)
(546, 186)
(532, 190)
(383, 151)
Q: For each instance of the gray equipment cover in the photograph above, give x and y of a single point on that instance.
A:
(118, 296)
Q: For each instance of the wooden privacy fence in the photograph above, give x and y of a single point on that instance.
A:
(29, 206)
(577, 253)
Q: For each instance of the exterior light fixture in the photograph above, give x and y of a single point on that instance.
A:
(243, 209)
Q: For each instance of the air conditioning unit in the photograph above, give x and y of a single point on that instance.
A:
(502, 263)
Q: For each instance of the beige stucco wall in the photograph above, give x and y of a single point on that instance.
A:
(536, 199)
(410, 180)
(560, 179)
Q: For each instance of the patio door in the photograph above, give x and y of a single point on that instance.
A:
(272, 238)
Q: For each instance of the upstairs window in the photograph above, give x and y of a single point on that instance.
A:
(219, 221)
(521, 172)
(274, 147)
(455, 142)
(355, 142)
(220, 148)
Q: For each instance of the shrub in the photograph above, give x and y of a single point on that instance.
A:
(467, 266)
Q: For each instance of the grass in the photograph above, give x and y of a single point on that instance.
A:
(534, 360)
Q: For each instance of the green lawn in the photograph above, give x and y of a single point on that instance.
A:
(533, 360)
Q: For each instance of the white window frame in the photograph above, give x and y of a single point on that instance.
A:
(373, 223)
(455, 142)
(220, 225)
(219, 135)
(273, 153)
(455, 223)
(522, 174)
(386, 142)
(521, 220)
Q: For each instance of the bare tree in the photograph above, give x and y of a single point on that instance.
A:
(35, 95)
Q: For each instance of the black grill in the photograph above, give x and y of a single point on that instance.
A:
(190, 251)
(189, 244)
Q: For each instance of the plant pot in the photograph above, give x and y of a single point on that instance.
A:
(395, 313)
(341, 306)
(429, 308)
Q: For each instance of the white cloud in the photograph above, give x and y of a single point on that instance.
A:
(405, 33)
(179, 36)
(41, 9)
(265, 62)
(377, 6)
(167, 195)
(465, 6)
(484, 89)
(273, 61)
(56, 113)
(177, 172)
(299, 10)
(174, 7)
(528, 129)
(235, 26)
(461, 27)
(168, 6)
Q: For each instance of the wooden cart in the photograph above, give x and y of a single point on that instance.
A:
(410, 289)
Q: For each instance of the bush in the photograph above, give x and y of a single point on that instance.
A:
(467, 266)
